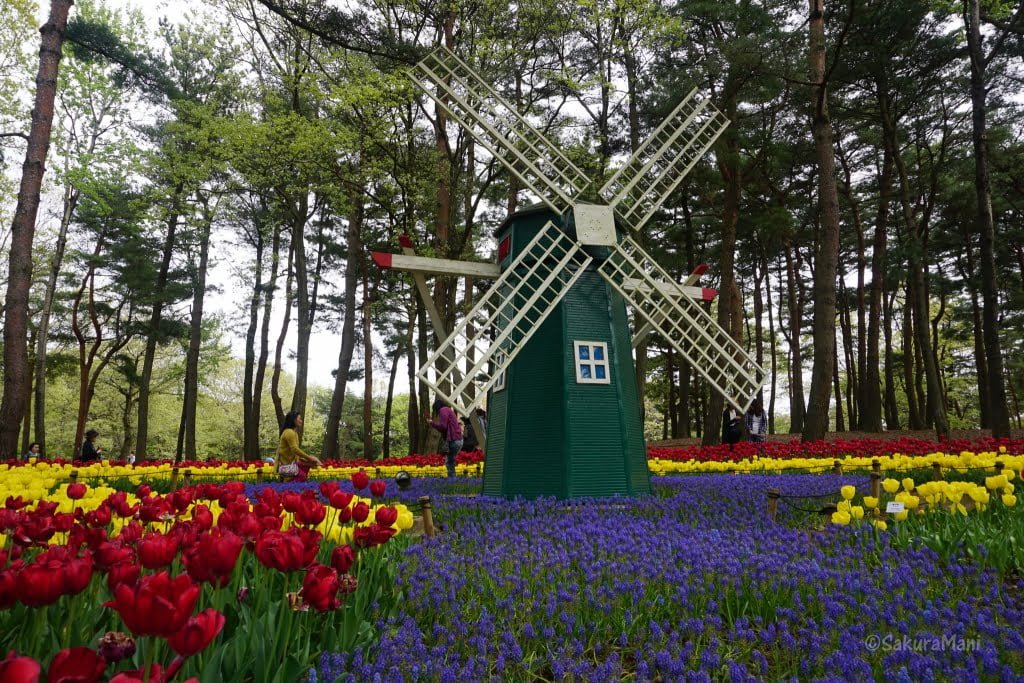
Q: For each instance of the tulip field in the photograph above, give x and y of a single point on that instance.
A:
(837, 561)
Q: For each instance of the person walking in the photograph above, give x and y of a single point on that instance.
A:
(89, 452)
(731, 431)
(447, 422)
(757, 422)
(292, 461)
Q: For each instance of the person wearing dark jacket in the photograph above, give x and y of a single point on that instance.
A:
(90, 453)
(731, 430)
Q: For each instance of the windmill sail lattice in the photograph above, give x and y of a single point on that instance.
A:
(496, 124)
(537, 280)
(652, 173)
(512, 310)
(684, 324)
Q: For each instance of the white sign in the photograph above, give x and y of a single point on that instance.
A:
(894, 506)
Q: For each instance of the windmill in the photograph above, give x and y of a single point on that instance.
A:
(548, 345)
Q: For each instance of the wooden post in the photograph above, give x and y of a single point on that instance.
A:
(188, 477)
(875, 465)
(876, 485)
(376, 473)
(479, 470)
(999, 467)
(773, 504)
(428, 517)
(936, 472)
(259, 475)
(837, 467)
(174, 478)
(74, 476)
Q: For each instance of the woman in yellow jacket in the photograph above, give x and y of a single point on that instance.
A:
(292, 461)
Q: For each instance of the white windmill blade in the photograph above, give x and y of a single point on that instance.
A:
(495, 124)
(691, 331)
(511, 311)
(656, 168)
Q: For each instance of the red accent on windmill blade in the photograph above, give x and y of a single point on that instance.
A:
(708, 294)
(504, 247)
(700, 269)
(382, 259)
(405, 241)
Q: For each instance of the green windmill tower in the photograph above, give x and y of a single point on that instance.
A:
(549, 345)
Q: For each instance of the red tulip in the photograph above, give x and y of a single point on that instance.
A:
(197, 633)
(386, 516)
(15, 669)
(377, 488)
(320, 588)
(342, 558)
(9, 586)
(327, 488)
(13, 503)
(280, 550)
(124, 573)
(310, 542)
(76, 491)
(310, 512)
(155, 674)
(372, 535)
(77, 574)
(360, 512)
(360, 480)
(213, 557)
(340, 499)
(76, 665)
(112, 553)
(41, 582)
(157, 605)
(157, 550)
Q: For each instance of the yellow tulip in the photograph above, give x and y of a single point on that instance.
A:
(1009, 500)
(848, 492)
(890, 485)
(997, 482)
(908, 484)
(1009, 488)
(880, 524)
(870, 502)
(843, 506)
(901, 515)
(857, 512)
(840, 517)
(911, 502)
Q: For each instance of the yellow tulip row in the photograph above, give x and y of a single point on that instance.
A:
(937, 496)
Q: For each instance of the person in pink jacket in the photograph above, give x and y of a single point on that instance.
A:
(446, 421)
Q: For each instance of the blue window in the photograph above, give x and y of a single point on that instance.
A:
(591, 361)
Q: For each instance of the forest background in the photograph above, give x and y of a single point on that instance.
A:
(862, 215)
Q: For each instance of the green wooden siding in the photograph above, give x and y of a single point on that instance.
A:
(548, 435)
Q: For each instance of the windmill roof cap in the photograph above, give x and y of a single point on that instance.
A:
(524, 211)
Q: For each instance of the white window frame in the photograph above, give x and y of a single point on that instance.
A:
(499, 380)
(577, 362)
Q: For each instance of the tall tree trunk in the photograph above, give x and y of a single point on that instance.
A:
(998, 414)
(728, 300)
(261, 364)
(303, 317)
(385, 447)
(760, 276)
(71, 195)
(795, 301)
(892, 413)
(195, 340)
(415, 416)
(348, 329)
(250, 438)
(826, 260)
(155, 335)
(773, 351)
(837, 388)
(980, 361)
(871, 391)
(849, 354)
(367, 368)
(275, 376)
(23, 227)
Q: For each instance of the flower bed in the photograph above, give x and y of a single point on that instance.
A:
(693, 583)
(207, 580)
